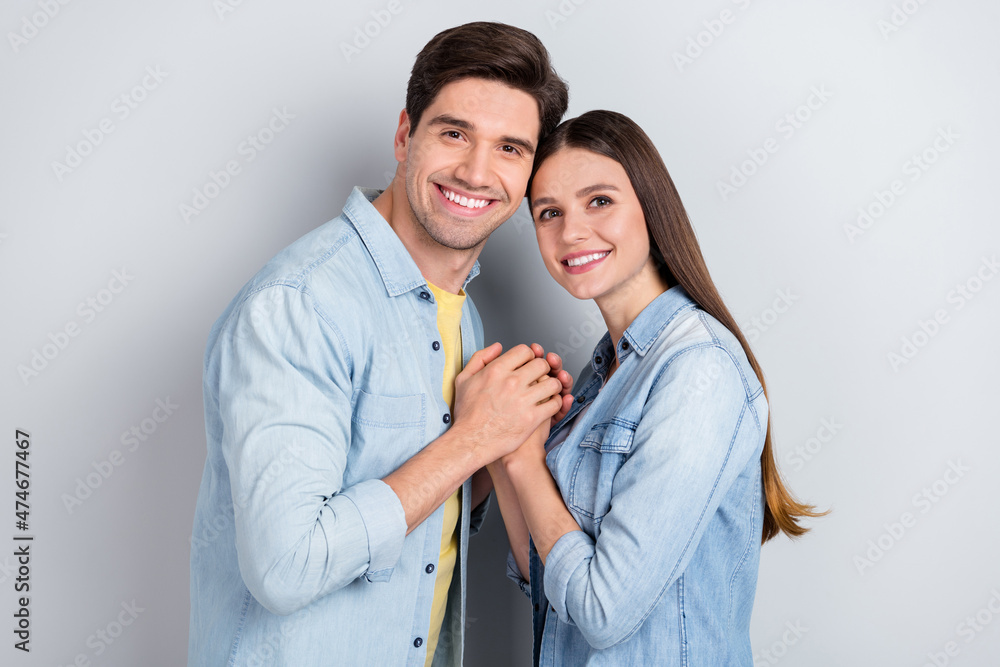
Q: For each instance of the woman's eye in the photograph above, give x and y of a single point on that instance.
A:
(548, 214)
(600, 202)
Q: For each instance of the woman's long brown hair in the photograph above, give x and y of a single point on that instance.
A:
(676, 249)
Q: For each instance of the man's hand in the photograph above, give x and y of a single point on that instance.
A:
(531, 453)
(501, 398)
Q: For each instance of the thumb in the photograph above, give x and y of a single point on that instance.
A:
(480, 358)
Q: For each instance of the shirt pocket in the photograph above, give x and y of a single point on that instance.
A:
(599, 456)
(385, 432)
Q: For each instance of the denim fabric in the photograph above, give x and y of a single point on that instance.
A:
(662, 472)
(321, 378)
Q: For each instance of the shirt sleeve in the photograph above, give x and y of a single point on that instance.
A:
(285, 408)
(514, 574)
(478, 515)
(693, 440)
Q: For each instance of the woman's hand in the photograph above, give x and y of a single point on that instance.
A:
(556, 370)
(530, 453)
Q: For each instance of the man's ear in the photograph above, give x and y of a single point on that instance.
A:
(401, 142)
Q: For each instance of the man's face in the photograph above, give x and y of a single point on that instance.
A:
(468, 162)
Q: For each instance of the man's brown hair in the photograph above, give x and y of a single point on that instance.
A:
(491, 51)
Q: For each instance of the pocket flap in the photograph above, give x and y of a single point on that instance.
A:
(610, 436)
(388, 411)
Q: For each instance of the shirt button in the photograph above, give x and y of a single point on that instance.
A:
(625, 345)
(429, 568)
(425, 295)
(598, 360)
(446, 419)
(418, 642)
(436, 345)
(581, 398)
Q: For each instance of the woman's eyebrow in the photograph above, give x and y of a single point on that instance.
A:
(579, 194)
(594, 188)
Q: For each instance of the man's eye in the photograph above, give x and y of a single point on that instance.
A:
(507, 148)
(453, 134)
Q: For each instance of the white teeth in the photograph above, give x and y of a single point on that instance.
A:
(467, 202)
(585, 259)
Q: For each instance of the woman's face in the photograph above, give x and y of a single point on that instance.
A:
(590, 227)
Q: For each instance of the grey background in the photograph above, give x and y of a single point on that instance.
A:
(897, 428)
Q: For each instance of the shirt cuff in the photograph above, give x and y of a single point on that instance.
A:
(514, 574)
(573, 550)
(478, 515)
(385, 525)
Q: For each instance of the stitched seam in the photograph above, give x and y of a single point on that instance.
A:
(683, 623)
(239, 629)
(336, 330)
(749, 546)
(572, 485)
(666, 322)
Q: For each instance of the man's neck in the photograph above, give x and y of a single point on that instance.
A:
(444, 267)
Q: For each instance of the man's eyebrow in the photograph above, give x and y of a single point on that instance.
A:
(523, 144)
(445, 119)
(579, 194)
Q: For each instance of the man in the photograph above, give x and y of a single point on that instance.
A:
(336, 504)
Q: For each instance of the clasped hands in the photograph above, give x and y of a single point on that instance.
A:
(509, 400)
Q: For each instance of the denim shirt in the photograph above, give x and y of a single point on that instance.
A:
(662, 472)
(321, 378)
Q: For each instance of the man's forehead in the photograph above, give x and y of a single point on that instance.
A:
(482, 104)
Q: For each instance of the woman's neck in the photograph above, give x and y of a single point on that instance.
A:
(620, 308)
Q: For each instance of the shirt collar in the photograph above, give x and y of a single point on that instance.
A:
(399, 272)
(646, 327)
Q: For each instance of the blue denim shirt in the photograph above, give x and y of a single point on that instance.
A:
(321, 378)
(662, 472)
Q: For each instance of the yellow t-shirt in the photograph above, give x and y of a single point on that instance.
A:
(449, 318)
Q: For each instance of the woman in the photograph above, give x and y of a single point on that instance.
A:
(647, 513)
